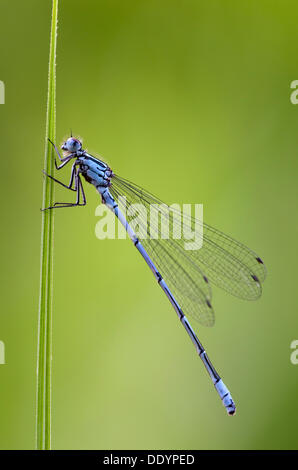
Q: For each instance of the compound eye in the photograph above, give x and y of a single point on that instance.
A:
(73, 144)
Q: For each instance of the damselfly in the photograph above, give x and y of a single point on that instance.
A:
(184, 276)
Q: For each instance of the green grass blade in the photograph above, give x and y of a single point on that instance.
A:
(44, 350)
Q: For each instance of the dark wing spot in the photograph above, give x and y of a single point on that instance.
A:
(259, 260)
(208, 303)
(255, 278)
(205, 279)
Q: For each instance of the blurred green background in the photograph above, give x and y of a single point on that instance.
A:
(192, 101)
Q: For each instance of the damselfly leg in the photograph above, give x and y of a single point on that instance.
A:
(78, 188)
(64, 160)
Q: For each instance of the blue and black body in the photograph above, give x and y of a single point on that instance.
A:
(183, 276)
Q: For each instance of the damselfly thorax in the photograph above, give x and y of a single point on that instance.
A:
(94, 171)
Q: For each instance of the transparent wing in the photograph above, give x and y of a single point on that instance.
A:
(220, 260)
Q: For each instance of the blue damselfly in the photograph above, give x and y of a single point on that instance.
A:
(184, 276)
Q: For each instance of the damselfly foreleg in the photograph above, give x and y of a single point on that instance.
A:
(64, 160)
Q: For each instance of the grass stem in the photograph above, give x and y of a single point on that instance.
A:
(44, 349)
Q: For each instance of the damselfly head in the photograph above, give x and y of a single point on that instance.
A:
(72, 145)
